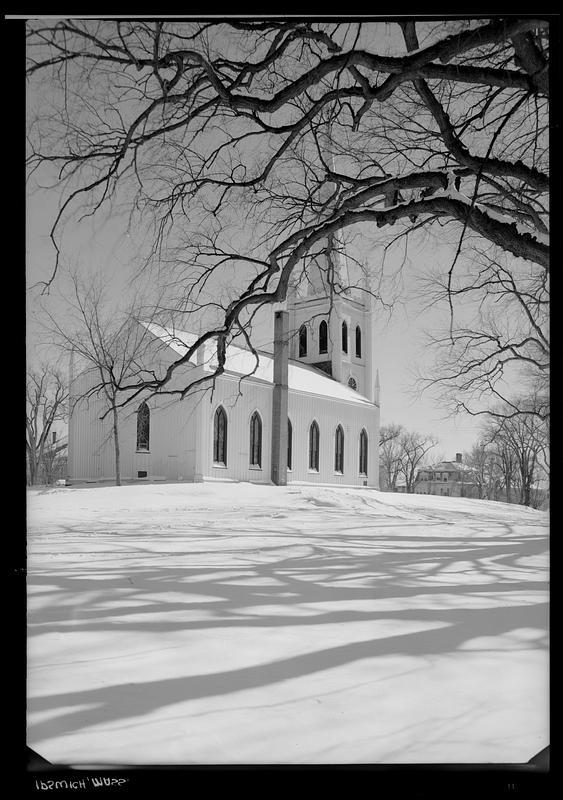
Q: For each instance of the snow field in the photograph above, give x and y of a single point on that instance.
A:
(236, 623)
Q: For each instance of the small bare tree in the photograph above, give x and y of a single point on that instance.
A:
(486, 470)
(54, 457)
(413, 448)
(390, 454)
(46, 403)
(107, 343)
(525, 438)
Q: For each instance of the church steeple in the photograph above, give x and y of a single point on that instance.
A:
(328, 271)
(330, 326)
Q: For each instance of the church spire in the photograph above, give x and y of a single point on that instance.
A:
(376, 388)
(330, 267)
(331, 327)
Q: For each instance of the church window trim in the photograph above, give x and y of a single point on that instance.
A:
(220, 437)
(143, 428)
(314, 446)
(358, 342)
(289, 445)
(339, 450)
(302, 341)
(256, 441)
(323, 337)
(344, 337)
(363, 453)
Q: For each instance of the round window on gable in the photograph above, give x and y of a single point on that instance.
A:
(352, 384)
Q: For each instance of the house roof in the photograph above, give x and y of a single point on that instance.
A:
(301, 377)
(448, 466)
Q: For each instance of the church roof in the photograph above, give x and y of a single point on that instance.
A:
(301, 377)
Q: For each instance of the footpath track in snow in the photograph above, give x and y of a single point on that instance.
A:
(235, 623)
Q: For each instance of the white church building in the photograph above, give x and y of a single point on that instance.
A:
(309, 412)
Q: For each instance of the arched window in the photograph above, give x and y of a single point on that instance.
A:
(352, 384)
(220, 437)
(323, 337)
(255, 440)
(289, 444)
(358, 342)
(302, 341)
(344, 337)
(363, 452)
(143, 427)
(339, 450)
(314, 446)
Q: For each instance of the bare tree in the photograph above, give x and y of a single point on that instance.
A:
(525, 438)
(413, 448)
(507, 463)
(250, 144)
(46, 403)
(105, 344)
(486, 471)
(54, 457)
(390, 454)
(503, 335)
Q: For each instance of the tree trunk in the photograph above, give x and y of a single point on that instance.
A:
(116, 446)
(32, 471)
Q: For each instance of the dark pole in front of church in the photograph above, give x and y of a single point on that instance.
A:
(279, 405)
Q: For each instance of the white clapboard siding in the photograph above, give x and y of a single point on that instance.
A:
(329, 413)
(171, 454)
(302, 410)
(181, 431)
(239, 407)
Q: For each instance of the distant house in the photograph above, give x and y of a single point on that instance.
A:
(450, 478)
(400, 485)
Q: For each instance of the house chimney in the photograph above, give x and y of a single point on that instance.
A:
(279, 404)
(458, 458)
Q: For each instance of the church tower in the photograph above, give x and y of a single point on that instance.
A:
(331, 325)
(333, 331)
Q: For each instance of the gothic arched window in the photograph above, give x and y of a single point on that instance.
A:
(314, 446)
(255, 440)
(352, 384)
(363, 452)
(358, 342)
(302, 341)
(143, 427)
(339, 450)
(220, 437)
(289, 444)
(344, 337)
(323, 337)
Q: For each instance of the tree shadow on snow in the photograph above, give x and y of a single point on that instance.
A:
(401, 568)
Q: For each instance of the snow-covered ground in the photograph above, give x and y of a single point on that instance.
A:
(234, 623)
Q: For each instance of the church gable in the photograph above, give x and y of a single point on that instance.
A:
(302, 377)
